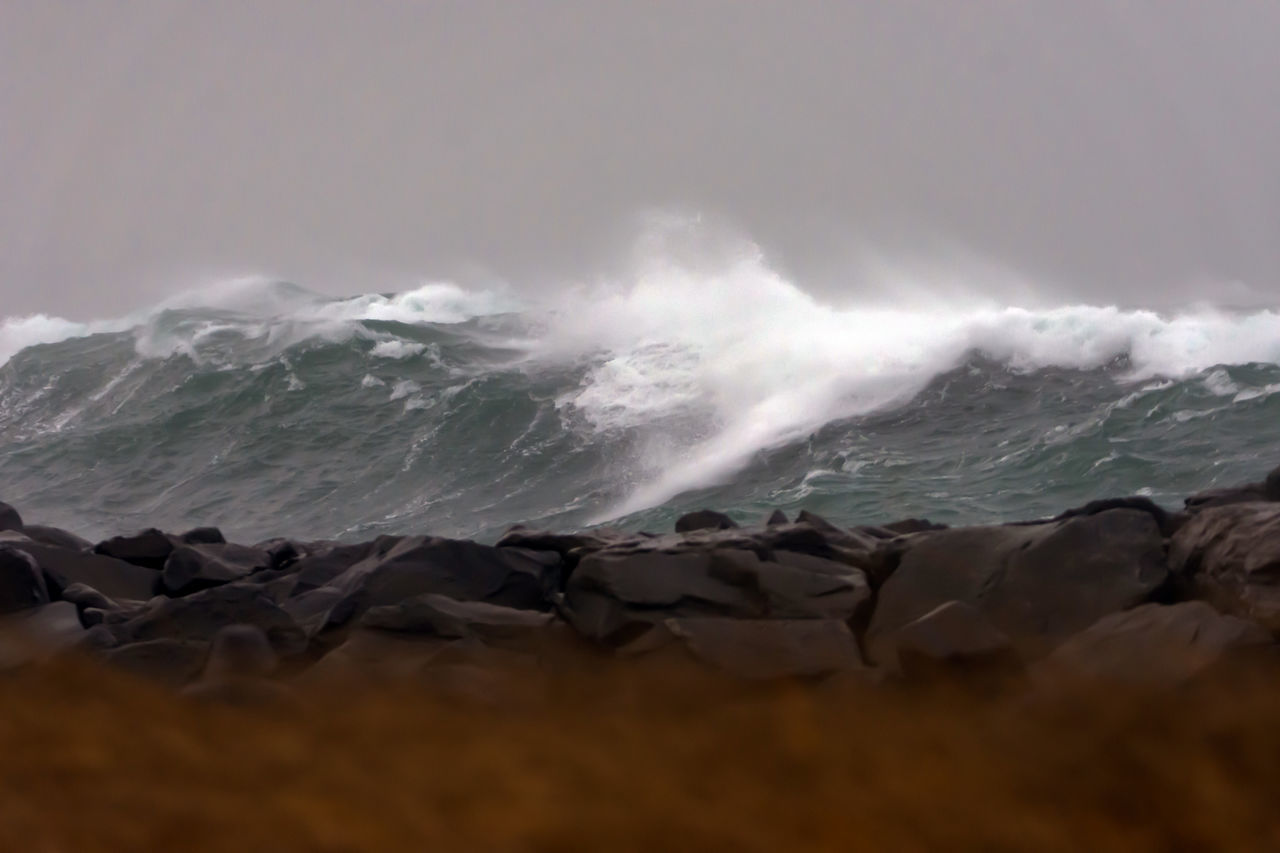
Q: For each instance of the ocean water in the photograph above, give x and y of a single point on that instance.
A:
(268, 409)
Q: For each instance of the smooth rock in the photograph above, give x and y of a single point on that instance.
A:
(22, 584)
(953, 638)
(704, 519)
(56, 537)
(203, 536)
(318, 567)
(194, 567)
(201, 615)
(769, 648)
(113, 578)
(9, 518)
(148, 548)
(1036, 583)
(1230, 556)
(446, 617)
(1155, 644)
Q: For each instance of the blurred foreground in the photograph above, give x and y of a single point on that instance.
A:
(654, 756)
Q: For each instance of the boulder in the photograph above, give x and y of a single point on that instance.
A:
(775, 518)
(1229, 555)
(203, 536)
(9, 518)
(704, 519)
(953, 638)
(459, 569)
(166, 661)
(446, 617)
(22, 584)
(148, 548)
(1156, 645)
(1036, 583)
(324, 562)
(113, 578)
(240, 650)
(56, 537)
(1266, 490)
(195, 567)
(769, 648)
(610, 593)
(39, 634)
(200, 616)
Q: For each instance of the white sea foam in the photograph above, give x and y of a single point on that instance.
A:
(396, 349)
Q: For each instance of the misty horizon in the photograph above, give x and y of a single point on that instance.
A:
(1096, 152)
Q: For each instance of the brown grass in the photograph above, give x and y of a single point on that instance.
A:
(656, 759)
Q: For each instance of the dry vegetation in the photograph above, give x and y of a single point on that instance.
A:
(659, 759)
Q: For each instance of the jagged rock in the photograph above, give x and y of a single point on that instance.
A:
(56, 537)
(413, 566)
(952, 638)
(446, 617)
(113, 578)
(1230, 556)
(195, 567)
(1167, 522)
(324, 562)
(166, 661)
(39, 634)
(1037, 583)
(22, 583)
(775, 518)
(769, 648)
(9, 518)
(1267, 490)
(148, 548)
(203, 536)
(610, 592)
(704, 519)
(1155, 644)
(907, 526)
(201, 615)
(570, 546)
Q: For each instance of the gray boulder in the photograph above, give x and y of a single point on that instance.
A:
(22, 584)
(1156, 645)
(56, 537)
(1230, 556)
(953, 638)
(9, 518)
(147, 548)
(201, 615)
(113, 578)
(704, 519)
(194, 567)
(447, 617)
(769, 648)
(1036, 583)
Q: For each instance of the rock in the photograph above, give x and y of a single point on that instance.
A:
(459, 569)
(201, 615)
(911, 525)
(769, 648)
(56, 537)
(570, 546)
(610, 593)
(22, 583)
(240, 650)
(952, 638)
(39, 634)
(1230, 556)
(203, 536)
(704, 519)
(1157, 645)
(114, 578)
(775, 518)
(317, 567)
(1267, 490)
(9, 518)
(1167, 523)
(1038, 583)
(149, 548)
(446, 617)
(373, 655)
(195, 567)
(167, 661)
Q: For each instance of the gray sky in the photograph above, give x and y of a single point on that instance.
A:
(1121, 151)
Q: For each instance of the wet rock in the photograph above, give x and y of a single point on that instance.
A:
(9, 518)
(203, 536)
(322, 563)
(22, 584)
(446, 617)
(611, 592)
(113, 578)
(1229, 555)
(1168, 523)
(148, 548)
(1158, 645)
(907, 526)
(167, 661)
(195, 567)
(953, 638)
(1038, 583)
(704, 519)
(769, 648)
(775, 518)
(56, 537)
(39, 634)
(201, 615)
(1266, 490)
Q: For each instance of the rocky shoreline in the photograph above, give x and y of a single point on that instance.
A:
(1119, 591)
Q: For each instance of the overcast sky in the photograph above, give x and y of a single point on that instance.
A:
(1122, 151)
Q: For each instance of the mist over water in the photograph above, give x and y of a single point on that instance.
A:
(698, 376)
